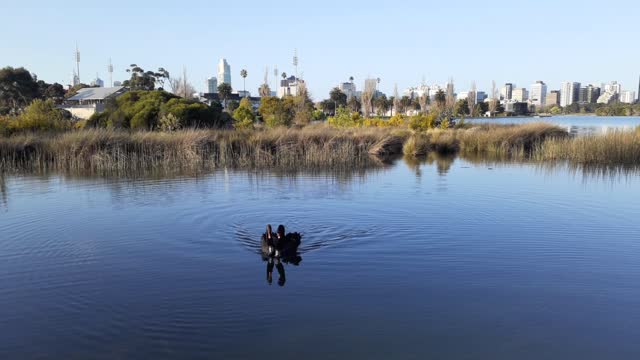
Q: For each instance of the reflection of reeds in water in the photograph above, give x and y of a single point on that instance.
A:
(443, 162)
(313, 147)
(3, 191)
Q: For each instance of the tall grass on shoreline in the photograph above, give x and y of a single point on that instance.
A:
(100, 150)
(312, 147)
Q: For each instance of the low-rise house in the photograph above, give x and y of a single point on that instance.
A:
(89, 101)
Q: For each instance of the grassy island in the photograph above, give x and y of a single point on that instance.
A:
(314, 146)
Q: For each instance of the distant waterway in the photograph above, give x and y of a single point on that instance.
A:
(443, 258)
(575, 124)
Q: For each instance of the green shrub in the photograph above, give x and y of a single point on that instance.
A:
(318, 115)
(422, 122)
(4, 125)
(344, 118)
(41, 115)
(169, 122)
(144, 109)
(243, 116)
(277, 112)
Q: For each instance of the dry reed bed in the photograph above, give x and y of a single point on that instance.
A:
(100, 150)
(313, 147)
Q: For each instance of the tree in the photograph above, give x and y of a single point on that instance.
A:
(181, 87)
(264, 90)
(461, 108)
(396, 98)
(493, 102)
(224, 91)
(338, 97)
(441, 99)
(405, 103)
(471, 98)
(243, 116)
(54, 92)
(392, 103)
(367, 98)
(42, 115)
(423, 100)
(382, 105)
(243, 73)
(140, 79)
(232, 106)
(303, 106)
(18, 89)
(275, 111)
(450, 95)
(354, 104)
(149, 110)
(161, 76)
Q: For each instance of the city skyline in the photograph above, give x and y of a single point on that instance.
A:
(390, 51)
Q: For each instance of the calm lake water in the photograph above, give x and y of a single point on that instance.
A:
(575, 124)
(446, 259)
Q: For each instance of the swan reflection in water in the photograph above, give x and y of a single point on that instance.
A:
(278, 249)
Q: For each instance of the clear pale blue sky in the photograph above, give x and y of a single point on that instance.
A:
(398, 41)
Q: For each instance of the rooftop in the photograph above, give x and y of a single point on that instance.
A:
(96, 93)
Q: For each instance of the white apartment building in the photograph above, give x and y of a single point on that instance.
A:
(520, 95)
(506, 92)
(628, 97)
(224, 72)
(613, 87)
(538, 94)
(569, 93)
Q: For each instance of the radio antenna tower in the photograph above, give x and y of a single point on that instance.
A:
(78, 62)
(275, 76)
(295, 62)
(110, 69)
(266, 75)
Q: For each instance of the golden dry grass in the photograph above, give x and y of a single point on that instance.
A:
(311, 147)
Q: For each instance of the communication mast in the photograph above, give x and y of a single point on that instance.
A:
(77, 62)
(275, 76)
(110, 69)
(295, 62)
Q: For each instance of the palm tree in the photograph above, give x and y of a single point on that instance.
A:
(243, 73)
(351, 79)
(224, 91)
(284, 75)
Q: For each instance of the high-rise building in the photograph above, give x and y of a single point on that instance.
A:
(224, 72)
(97, 82)
(506, 93)
(613, 87)
(348, 88)
(582, 95)
(592, 94)
(212, 85)
(576, 91)
(520, 94)
(538, 94)
(628, 97)
(569, 93)
(553, 98)
(290, 86)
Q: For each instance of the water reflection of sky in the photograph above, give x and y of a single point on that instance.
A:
(455, 253)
